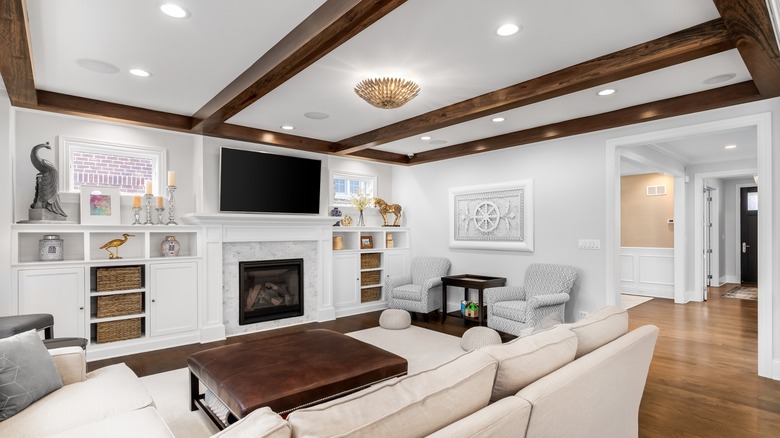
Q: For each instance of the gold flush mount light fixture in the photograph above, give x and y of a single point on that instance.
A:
(387, 93)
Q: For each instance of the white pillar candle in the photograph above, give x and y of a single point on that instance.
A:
(148, 185)
(171, 178)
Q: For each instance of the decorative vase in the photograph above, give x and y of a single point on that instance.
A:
(170, 246)
(50, 248)
(361, 222)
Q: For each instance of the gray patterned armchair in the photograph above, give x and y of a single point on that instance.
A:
(421, 290)
(546, 290)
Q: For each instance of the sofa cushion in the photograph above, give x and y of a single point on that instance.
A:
(526, 359)
(139, 423)
(514, 310)
(409, 292)
(507, 417)
(27, 372)
(599, 328)
(106, 392)
(415, 405)
(260, 423)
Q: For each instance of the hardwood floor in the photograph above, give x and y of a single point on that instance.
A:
(702, 381)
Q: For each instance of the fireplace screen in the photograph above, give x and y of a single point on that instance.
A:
(270, 289)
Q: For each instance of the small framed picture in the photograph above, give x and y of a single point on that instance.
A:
(100, 205)
(366, 242)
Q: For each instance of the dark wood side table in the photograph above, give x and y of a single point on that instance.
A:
(468, 281)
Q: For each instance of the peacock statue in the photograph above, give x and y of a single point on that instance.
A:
(46, 190)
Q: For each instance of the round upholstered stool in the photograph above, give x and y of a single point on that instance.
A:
(478, 337)
(395, 319)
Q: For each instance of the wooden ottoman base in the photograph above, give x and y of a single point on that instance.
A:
(288, 372)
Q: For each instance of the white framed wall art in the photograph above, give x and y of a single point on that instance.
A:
(492, 216)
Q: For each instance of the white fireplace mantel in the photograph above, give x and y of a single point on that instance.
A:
(220, 228)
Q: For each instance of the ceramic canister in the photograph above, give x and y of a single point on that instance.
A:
(170, 246)
(50, 248)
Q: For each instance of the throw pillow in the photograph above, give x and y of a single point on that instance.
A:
(27, 372)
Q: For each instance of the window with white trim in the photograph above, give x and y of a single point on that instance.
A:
(94, 163)
(344, 185)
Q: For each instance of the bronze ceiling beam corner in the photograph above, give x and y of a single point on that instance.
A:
(16, 65)
(253, 135)
(686, 45)
(750, 27)
(331, 25)
(98, 109)
(382, 156)
(743, 92)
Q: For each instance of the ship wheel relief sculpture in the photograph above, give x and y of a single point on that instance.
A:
(487, 216)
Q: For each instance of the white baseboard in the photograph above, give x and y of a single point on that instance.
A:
(360, 308)
(326, 314)
(212, 333)
(647, 290)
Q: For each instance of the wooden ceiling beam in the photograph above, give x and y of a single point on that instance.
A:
(381, 156)
(16, 65)
(698, 41)
(252, 135)
(332, 24)
(750, 27)
(98, 109)
(706, 100)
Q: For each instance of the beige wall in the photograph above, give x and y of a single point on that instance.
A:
(644, 219)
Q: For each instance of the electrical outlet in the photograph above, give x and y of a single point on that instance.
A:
(582, 314)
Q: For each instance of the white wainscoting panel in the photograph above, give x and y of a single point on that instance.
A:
(647, 271)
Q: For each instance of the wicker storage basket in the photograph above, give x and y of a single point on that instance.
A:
(370, 260)
(369, 278)
(118, 305)
(124, 278)
(370, 294)
(112, 331)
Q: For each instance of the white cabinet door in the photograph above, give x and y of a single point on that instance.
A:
(59, 292)
(396, 263)
(346, 279)
(174, 297)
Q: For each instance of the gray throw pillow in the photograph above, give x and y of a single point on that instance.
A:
(27, 373)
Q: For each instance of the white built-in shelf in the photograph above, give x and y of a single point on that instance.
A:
(352, 237)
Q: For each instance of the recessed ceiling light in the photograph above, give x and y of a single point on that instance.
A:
(730, 146)
(315, 115)
(140, 72)
(719, 79)
(425, 137)
(174, 10)
(607, 92)
(508, 29)
(288, 127)
(497, 119)
(97, 66)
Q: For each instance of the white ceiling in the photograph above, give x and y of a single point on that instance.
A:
(448, 46)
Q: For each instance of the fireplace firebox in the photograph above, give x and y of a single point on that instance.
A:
(270, 290)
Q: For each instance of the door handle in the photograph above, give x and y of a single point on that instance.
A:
(745, 246)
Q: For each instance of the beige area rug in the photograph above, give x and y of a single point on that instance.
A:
(424, 349)
(628, 301)
(743, 293)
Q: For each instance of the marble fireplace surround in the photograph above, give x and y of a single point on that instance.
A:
(229, 238)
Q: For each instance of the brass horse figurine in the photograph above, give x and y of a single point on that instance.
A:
(385, 208)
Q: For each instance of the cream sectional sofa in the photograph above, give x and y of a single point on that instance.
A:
(572, 380)
(108, 402)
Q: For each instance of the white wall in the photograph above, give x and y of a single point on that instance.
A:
(6, 202)
(34, 127)
(568, 186)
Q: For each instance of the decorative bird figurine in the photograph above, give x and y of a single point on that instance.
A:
(46, 193)
(116, 243)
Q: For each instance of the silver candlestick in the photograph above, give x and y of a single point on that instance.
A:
(148, 210)
(171, 207)
(137, 215)
(160, 211)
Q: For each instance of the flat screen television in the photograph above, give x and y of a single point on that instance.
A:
(257, 182)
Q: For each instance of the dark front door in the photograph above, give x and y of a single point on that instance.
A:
(749, 233)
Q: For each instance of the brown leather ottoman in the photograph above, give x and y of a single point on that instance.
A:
(288, 372)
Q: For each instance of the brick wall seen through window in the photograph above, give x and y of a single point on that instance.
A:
(114, 170)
